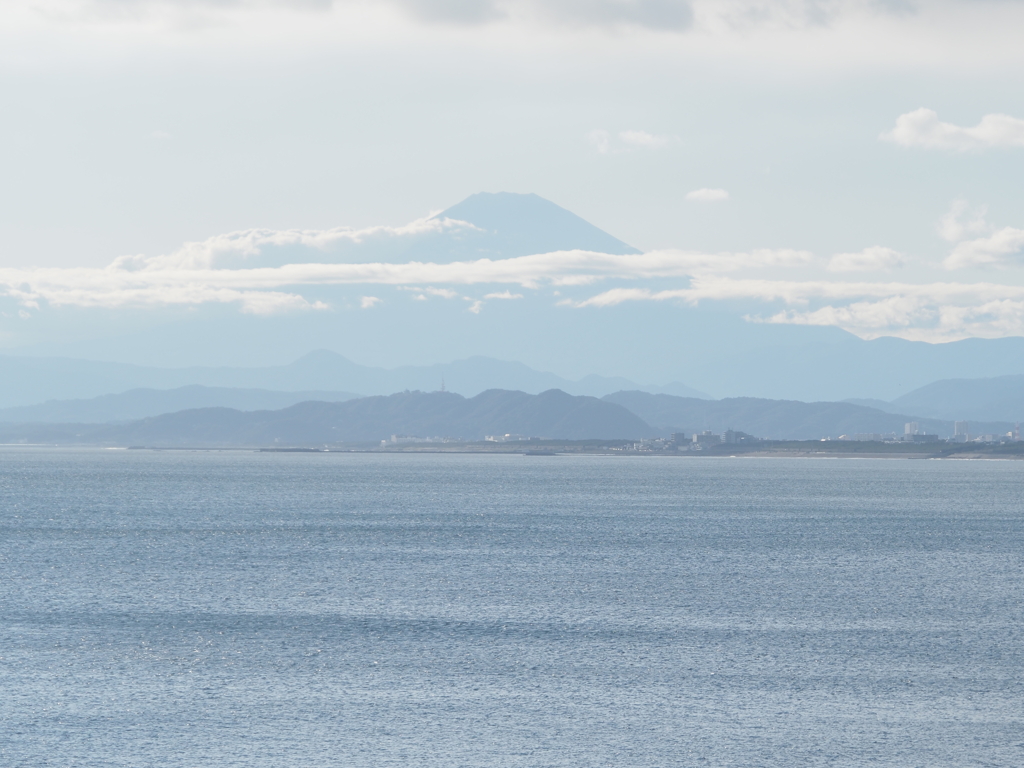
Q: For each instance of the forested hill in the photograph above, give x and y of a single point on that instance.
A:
(552, 414)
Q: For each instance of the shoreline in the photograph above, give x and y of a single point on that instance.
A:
(553, 448)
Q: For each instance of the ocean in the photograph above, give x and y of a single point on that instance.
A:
(208, 609)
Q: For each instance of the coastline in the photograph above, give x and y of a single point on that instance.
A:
(831, 449)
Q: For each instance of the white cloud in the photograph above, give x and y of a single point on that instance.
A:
(707, 195)
(922, 128)
(559, 267)
(874, 259)
(720, 288)
(932, 312)
(953, 228)
(617, 296)
(444, 293)
(643, 139)
(657, 15)
(998, 248)
(267, 302)
(235, 247)
(141, 281)
(893, 311)
(471, 12)
(867, 308)
(83, 290)
(917, 320)
(948, 35)
(600, 140)
(1002, 248)
(175, 15)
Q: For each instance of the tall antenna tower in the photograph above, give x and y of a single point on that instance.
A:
(442, 384)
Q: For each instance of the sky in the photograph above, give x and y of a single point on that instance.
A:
(786, 168)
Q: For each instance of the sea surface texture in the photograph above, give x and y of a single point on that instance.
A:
(245, 609)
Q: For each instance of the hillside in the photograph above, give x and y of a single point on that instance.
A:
(142, 403)
(778, 419)
(552, 414)
(999, 398)
(34, 380)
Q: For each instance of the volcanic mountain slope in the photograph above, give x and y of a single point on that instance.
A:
(508, 225)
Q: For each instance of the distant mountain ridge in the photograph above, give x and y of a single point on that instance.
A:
(33, 380)
(999, 398)
(142, 403)
(838, 366)
(779, 419)
(552, 414)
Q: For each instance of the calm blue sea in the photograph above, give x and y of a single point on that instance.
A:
(243, 609)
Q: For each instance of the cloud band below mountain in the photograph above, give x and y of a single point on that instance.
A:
(932, 311)
(918, 311)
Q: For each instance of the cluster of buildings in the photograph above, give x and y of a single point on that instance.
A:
(406, 439)
(913, 434)
(962, 434)
(680, 442)
(509, 438)
(707, 439)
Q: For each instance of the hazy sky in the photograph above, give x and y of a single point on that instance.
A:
(850, 164)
